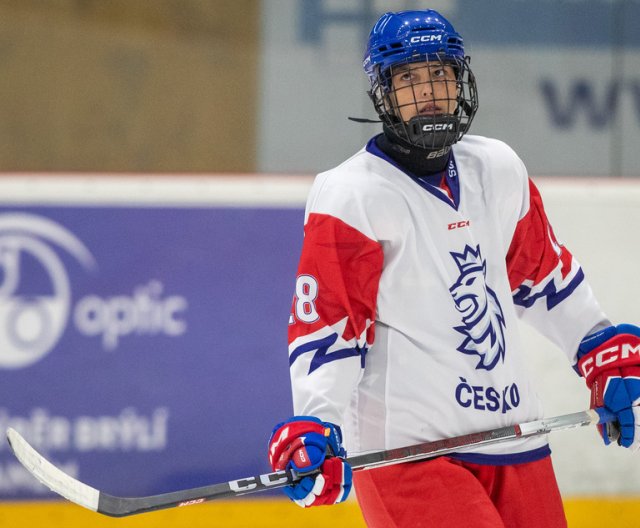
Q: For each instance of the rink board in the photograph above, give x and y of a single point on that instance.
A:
(184, 386)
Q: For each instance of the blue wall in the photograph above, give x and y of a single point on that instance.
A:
(168, 367)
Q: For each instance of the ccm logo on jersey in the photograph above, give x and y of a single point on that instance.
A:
(606, 356)
(458, 225)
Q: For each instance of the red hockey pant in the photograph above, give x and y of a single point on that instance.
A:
(448, 493)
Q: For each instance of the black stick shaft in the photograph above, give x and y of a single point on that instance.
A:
(96, 500)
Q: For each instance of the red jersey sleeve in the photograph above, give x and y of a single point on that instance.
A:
(539, 267)
(334, 305)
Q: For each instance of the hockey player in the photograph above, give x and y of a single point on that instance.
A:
(420, 253)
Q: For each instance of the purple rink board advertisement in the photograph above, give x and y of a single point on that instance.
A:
(143, 350)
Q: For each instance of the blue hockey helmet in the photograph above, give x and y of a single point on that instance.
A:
(408, 37)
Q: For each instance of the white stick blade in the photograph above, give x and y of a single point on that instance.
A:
(51, 476)
(559, 423)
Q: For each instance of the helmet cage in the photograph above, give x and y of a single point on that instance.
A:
(442, 107)
(428, 101)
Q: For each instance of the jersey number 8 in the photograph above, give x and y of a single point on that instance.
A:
(306, 294)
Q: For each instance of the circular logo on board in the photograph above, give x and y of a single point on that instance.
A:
(32, 323)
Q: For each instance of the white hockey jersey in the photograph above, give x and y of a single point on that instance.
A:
(404, 319)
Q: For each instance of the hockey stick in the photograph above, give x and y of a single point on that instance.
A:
(98, 501)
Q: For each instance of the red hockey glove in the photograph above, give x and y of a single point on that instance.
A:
(610, 363)
(312, 450)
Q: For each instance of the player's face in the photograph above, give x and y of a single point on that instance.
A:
(424, 88)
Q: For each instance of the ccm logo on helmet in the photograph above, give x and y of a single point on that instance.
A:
(606, 356)
(438, 127)
(425, 38)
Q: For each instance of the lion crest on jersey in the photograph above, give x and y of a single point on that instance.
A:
(483, 327)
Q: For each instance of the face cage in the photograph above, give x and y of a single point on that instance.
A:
(437, 112)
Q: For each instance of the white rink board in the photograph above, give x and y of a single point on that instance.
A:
(599, 220)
